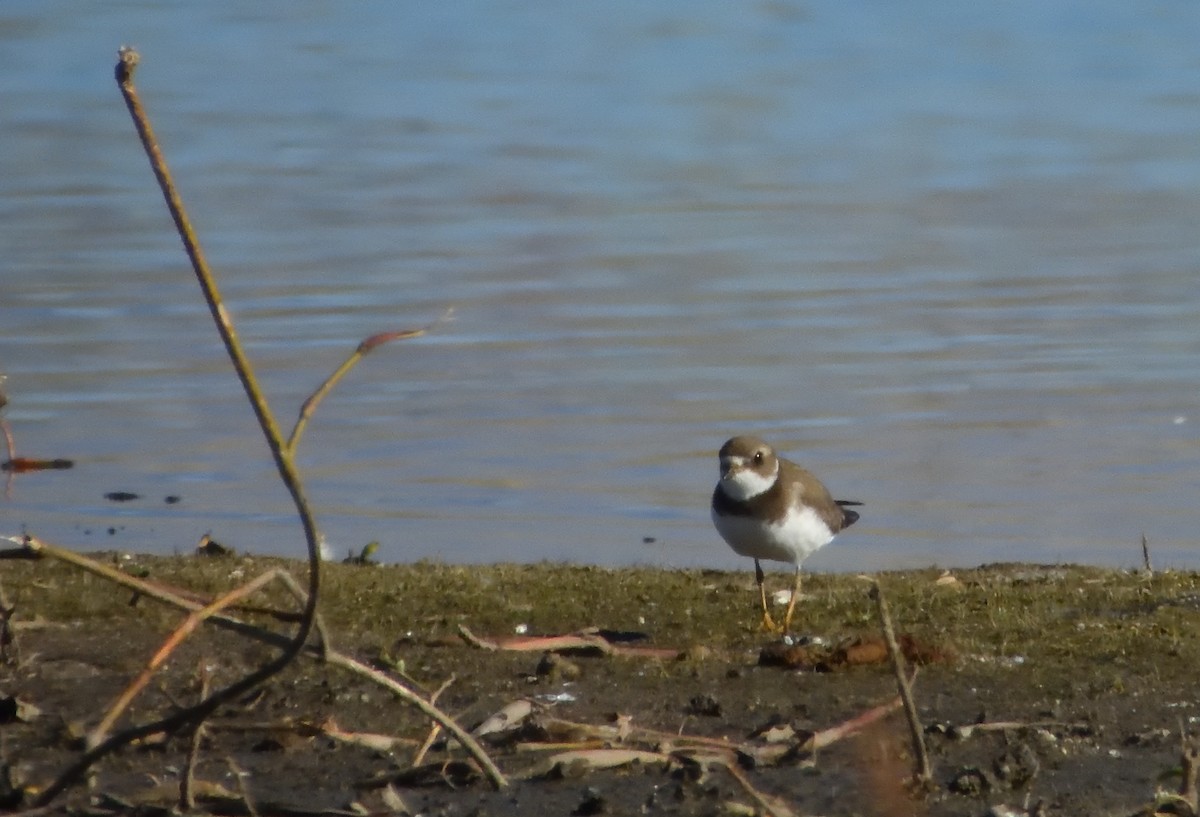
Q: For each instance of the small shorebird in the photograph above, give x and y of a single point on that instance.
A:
(767, 507)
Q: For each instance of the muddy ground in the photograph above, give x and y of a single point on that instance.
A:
(1082, 679)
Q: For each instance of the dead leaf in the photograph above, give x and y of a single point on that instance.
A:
(506, 719)
(579, 762)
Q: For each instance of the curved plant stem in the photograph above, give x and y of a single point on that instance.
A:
(314, 399)
(283, 454)
(126, 64)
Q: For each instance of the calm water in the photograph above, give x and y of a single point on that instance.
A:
(946, 255)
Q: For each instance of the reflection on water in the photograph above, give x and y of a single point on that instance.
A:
(947, 260)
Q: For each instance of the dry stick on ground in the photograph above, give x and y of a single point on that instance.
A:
(430, 711)
(434, 730)
(555, 643)
(187, 787)
(585, 736)
(576, 762)
(36, 548)
(923, 774)
(32, 547)
(176, 638)
(1189, 786)
(770, 804)
(830, 736)
(241, 777)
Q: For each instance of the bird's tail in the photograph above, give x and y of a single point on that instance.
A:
(849, 517)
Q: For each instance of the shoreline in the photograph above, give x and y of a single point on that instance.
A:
(1060, 684)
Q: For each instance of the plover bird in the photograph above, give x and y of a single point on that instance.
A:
(767, 507)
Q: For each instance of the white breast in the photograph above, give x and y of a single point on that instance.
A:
(793, 540)
(746, 483)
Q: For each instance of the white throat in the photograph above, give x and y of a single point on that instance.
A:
(746, 483)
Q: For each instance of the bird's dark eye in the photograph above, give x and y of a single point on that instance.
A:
(758, 458)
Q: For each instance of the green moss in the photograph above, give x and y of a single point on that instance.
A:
(1043, 615)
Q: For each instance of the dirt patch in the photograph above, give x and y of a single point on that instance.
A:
(1066, 687)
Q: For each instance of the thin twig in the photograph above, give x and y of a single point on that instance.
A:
(176, 638)
(434, 730)
(241, 777)
(39, 548)
(31, 547)
(1189, 785)
(770, 804)
(923, 773)
(324, 644)
(583, 640)
(539, 644)
(828, 737)
(126, 66)
(1146, 556)
(187, 786)
(363, 348)
(590, 734)
(34, 548)
(469, 743)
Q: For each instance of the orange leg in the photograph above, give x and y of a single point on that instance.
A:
(787, 618)
(768, 623)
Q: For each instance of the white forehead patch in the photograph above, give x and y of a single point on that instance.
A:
(745, 483)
